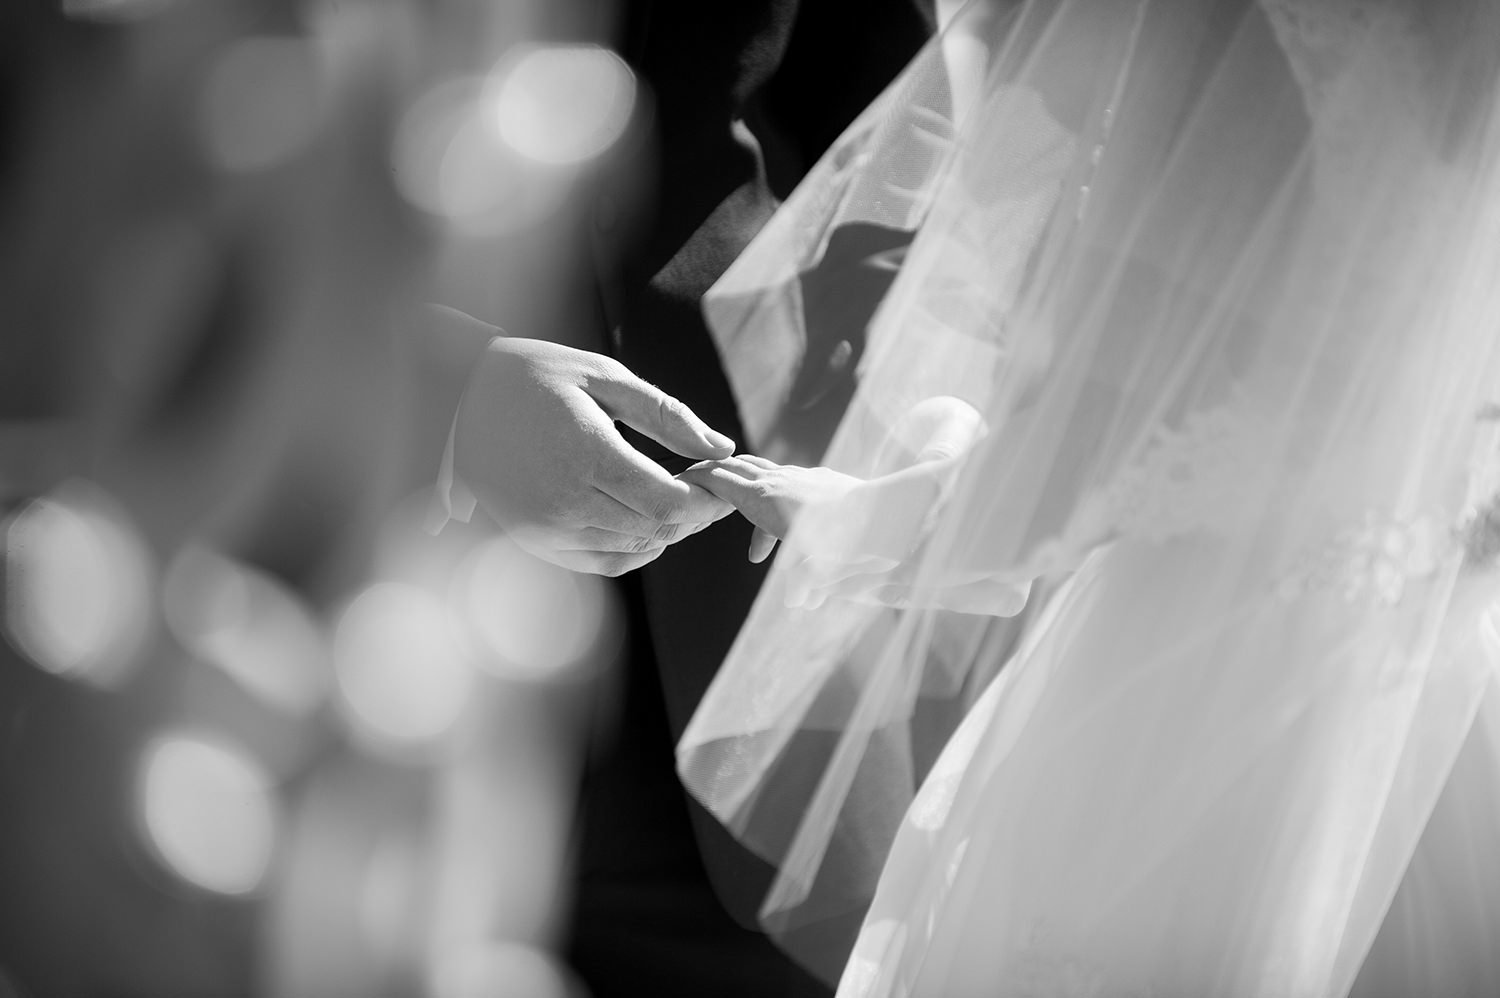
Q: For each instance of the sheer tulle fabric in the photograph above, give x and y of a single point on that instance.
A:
(1218, 277)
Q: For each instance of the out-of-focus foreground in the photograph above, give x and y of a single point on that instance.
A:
(262, 730)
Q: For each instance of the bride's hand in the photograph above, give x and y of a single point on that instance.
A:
(859, 537)
(772, 496)
(879, 519)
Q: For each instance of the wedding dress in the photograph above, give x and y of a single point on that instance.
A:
(1220, 279)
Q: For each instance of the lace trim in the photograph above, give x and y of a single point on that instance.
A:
(1376, 560)
(1193, 478)
(1479, 533)
(1211, 474)
(1373, 561)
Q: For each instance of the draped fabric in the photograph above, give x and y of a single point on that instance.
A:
(1218, 279)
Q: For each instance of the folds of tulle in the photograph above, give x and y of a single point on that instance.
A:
(1221, 288)
(1438, 935)
(1166, 832)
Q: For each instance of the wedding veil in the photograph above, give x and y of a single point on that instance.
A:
(1219, 279)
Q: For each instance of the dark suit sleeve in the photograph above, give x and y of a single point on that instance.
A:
(711, 68)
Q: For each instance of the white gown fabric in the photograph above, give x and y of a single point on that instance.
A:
(1219, 277)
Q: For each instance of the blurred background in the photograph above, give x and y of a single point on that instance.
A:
(265, 729)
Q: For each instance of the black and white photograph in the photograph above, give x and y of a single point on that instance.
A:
(750, 498)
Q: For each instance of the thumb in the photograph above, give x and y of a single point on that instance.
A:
(669, 422)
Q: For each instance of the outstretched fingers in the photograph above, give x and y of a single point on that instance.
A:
(668, 421)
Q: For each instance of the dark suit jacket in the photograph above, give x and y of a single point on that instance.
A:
(717, 69)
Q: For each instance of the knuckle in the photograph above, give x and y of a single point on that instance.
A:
(596, 371)
(616, 372)
(669, 410)
(667, 509)
(599, 365)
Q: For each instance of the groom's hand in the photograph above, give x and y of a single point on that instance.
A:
(535, 442)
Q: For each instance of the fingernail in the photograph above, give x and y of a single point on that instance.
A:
(718, 440)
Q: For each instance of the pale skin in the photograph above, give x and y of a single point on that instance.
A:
(865, 531)
(924, 448)
(536, 444)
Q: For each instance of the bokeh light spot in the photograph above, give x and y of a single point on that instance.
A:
(247, 624)
(208, 812)
(450, 160)
(531, 619)
(562, 104)
(511, 969)
(402, 673)
(261, 104)
(78, 582)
